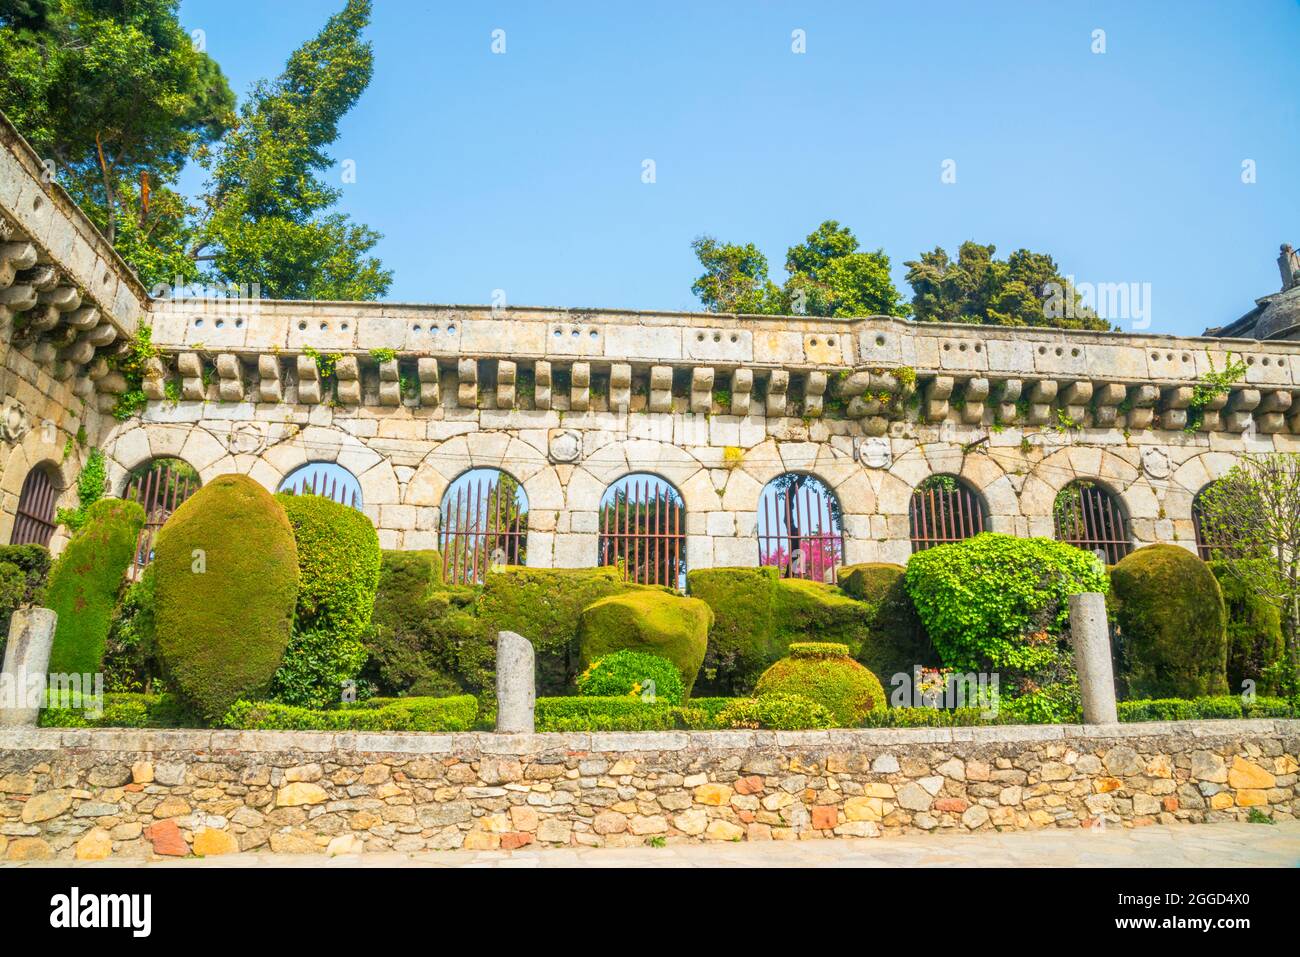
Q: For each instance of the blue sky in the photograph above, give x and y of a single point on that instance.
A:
(523, 171)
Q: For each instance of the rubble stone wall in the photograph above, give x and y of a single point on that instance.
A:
(96, 793)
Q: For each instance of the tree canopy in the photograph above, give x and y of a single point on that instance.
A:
(120, 97)
(827, 276)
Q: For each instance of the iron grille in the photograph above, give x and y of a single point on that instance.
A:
(159, 491)
(34, 521)
(484, 523)
(799, 528)
(1088, 517)
(643, 531)
(943, 512)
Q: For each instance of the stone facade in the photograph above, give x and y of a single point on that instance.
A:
(569, 401)
(91, 794)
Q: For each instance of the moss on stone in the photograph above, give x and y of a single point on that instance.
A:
(226, 587)
(85, 581)
(1255, 640)
(654, 621)
(544, 605)
(1172, 621)
(821, 673)
(896, 641)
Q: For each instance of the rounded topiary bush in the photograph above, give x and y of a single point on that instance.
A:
(896, 642)
(632, 674)
(1256, 644)
(995, 602)
(651, 620)
(84, 583)
(338, 574)
(225, 586)
(824, 673)
(1173, 624)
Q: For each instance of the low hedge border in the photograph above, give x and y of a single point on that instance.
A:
(461, 713)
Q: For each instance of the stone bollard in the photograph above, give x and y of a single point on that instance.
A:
(27, 661)
(1090, 634)
(516, 684)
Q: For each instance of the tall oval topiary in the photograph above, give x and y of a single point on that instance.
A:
(338, 574)
(226, 582)
(1173, 624)
(824, 673)
(988, 601)
(84, 583)
(651, 620)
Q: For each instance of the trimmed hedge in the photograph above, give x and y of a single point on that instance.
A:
(632, 674)
(131, 653)
(84, 583)
(1256, 644)
(226, 586)
(984, 599)
(777, 712)
(543, 605)
(758, 614)
(400, 714)
(24, 572)
(1205, 707)
(121, 710)
(1172, 624)
(896, 641)
(654, 621)
(614, 714)
(825, 674)
(417, 627)
(338, 572)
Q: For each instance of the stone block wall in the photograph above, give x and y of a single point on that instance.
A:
(92, 794)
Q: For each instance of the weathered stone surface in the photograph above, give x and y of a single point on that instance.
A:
(43, 807)
(516, 684)
(300, 793)
(209, 842)
(166, 839)
(95, 846)
(1247, 774)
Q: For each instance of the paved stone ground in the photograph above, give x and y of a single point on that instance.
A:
(1194, 845)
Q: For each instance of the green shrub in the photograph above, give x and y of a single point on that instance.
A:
(338, 572)
(777, 712)
(1172, 624)
(24, 571)
(743, 640)
(928, 718)
(650, 620)
(633, 674)
(84, 583)
(824, 673)
(92, 482)
(404, 714)
(1256, 644)
(758, 614)
(895, 641)
(543, 605)
(131, 661)
(226, 584)
(711, 706)
(621, 713)
(417, 627)
(121, 711)
(997, 602)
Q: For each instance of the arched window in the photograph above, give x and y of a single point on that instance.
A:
(944, 509)
(1204, 547)
(160, 486)
(1089, 517)
(34, 521)
(484, 522)
(800, 528)
(325, 479)
(643, 530)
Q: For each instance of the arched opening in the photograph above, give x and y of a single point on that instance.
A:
(483, 523)
(944, 508)
(1205, 546)
(325, 479)
(160, 486)
(643, 530)
(1090, 517)
(800, 527)
(34, 520)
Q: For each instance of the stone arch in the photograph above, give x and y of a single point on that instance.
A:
(800, 526)
(641, 525)
(945, 507)
(484, 518)
(1090, 514)
(1058, 469)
